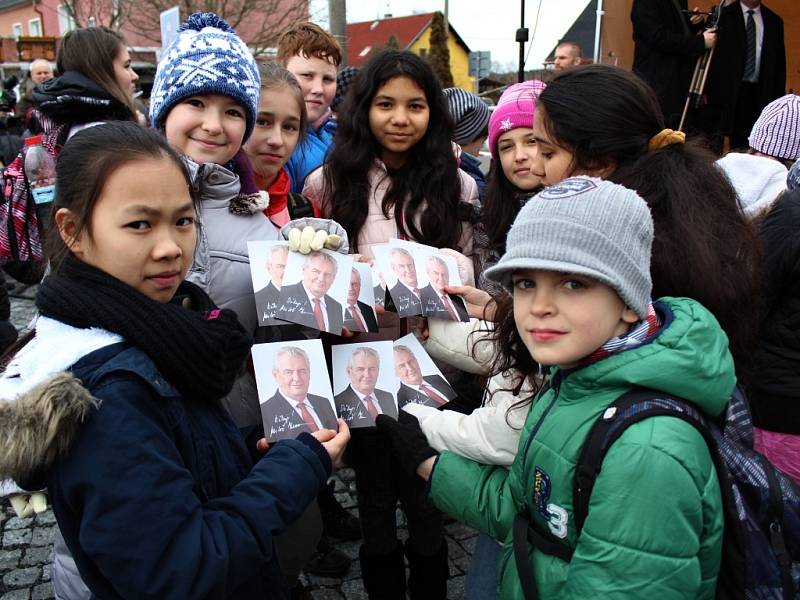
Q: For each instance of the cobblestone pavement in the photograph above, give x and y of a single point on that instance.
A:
(26, 551)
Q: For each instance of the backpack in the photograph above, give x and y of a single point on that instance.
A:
(761, 505)
(20, 223)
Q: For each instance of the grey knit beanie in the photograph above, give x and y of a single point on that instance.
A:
(470, 114)
(584, 226)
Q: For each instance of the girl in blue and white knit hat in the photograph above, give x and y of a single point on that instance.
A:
(205, 100)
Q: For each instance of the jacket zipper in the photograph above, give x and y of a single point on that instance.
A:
(556, 386)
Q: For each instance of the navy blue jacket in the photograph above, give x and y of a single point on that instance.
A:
(159, 497)
(471, 165)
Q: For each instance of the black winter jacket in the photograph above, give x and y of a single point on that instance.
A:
(775, 390)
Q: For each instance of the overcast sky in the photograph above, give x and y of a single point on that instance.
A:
(481, 28)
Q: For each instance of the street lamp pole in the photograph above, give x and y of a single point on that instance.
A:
(522, 37)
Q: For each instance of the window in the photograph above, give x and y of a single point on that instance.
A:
(65, 21)
(35, 27)
(16, 30)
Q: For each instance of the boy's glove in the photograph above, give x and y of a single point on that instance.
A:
(311, 234)
(410, 445)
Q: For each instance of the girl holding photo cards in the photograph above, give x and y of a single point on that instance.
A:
(393, 173)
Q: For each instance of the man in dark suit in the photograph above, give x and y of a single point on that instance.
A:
(667, 44)
(747, 73)
(360, 402)
(358, 316)
(268, 297)
(292, 410)
(307, 302)
(436, 303)
(430, 390)
(405, 294)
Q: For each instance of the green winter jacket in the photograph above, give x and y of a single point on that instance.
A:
(654, 527)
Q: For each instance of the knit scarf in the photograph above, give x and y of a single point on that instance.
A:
(640, 332)
(197, 347)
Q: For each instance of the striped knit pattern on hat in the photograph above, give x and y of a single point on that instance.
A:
(470, 114)
(206, 57)
(793, 177)
(514, 110)
(343, 80)
(584, 226)
(776, 132)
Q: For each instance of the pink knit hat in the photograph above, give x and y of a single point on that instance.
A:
(514, 109)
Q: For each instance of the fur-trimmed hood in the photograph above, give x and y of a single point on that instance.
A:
(41, 403)
(39, 425)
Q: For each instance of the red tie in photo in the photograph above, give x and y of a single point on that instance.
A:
(432, 395)
(357, 318)
(318, 314)
(449, 307)
(307, 418)
(371, 409)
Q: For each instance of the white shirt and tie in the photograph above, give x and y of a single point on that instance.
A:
(357, 316)
(313, 300)
(307, 405)
(364, 403)
(759, 23)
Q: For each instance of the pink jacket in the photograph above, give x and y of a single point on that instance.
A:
(378, 229)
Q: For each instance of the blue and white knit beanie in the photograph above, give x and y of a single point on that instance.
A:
(206, 57)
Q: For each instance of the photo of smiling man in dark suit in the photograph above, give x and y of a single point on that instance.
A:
(429, 390)
(291, 409)
(360, 402)
(307, 302)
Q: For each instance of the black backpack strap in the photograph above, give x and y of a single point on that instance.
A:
(632, 407)
(524, 568)
(299, 206)
(776, 535)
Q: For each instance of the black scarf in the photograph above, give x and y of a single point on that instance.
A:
(199, 350)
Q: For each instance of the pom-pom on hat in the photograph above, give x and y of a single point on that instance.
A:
(776, 132)
(585, 226)
(206, 57)
(469, 114)
(514, 110)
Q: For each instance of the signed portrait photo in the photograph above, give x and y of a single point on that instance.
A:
(437, 271)
(359, 310)
(294, 396)
(396, 262)
(267, 265)
(421, 382)
(314, 290)
(364, 382)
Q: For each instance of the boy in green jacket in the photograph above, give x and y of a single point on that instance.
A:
(577, 265)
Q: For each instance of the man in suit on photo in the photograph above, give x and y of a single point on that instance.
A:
(405, 294)
(358, 316)
(360, 402)
(307, 302)
(436, 303)
(268, 297)
(748, 71)
(429, 390)
(291, 409)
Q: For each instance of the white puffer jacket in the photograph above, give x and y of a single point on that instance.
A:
(490, 435)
